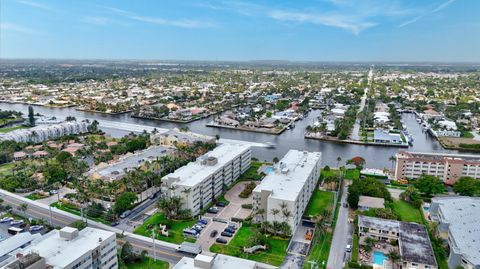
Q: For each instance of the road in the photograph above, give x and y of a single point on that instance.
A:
(163, 250)
(340, 235)
(356, 126)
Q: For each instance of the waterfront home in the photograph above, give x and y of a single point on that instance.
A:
(384, 136)
(175, 137)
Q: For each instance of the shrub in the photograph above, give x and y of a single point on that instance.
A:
(248, 190)
(247, 206)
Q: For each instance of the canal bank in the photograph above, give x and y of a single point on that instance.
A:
(375, 156)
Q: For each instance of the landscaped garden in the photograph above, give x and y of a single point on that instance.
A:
(275, 253)
(174, 228)
(146, 263)
(407, 212)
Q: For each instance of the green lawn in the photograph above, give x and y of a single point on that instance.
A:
(35, 196)
(319, 202)
(352, 174)
(277, 248)
(174, 227)
(327, 173)
(147, 263)
(251, 173)
(320, 250)
(6, 169)
(407, 212)
(13, 128)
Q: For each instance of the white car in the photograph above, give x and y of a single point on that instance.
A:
(348, 248)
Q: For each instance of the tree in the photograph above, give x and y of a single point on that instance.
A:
(274, 212)
(23, 208)
(358, 161)
(80, 225)
(429, 185)
(393, 160)
(394, 257)
(339, 159)
(124, 201)
(31, 116)
(275, 159)
(467, 186)
(353, 196)
(63, 156)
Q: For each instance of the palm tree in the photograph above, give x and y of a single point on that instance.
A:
(393, 160)
(286, 214)
(339, 159)
(394, 257)
(187, 192)
(23, 207)
(274, 212)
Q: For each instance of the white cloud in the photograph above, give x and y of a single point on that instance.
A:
(35, 5)
(436, 9)
(349, 23)
(15, 27)
(182, 23)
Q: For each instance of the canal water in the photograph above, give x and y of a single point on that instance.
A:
(375, 156)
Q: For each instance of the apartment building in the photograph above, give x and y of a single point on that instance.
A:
(288, 188)
(42, 133)
(414, 244)
(199, 182)
(219, 261)
(175, 137)
(458, 224)
(447, 167)
(70, 249)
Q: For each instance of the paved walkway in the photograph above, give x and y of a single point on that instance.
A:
(356, 127)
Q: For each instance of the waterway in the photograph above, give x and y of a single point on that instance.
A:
(375, 156)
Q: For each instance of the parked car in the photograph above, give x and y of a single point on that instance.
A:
(213, 210)
(125, 214)
(213, 233)
(115, 223)
(221, 240)
(348, 248)
(6, 220)
(345, 205)
(17, 222)
(232, 226)
(201, 224)
(227, 234)
(228, 230)
(221, 204)
(198, 227)
(204, 221)
(36, 228)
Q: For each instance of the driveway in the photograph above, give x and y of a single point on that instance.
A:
(232, 210)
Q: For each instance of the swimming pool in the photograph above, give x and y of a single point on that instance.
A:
(268, 170)
(379, 258)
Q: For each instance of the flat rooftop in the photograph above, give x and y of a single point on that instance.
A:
(195, 172)
(60, 252)
(219, 262)
(414, 243)
(463, 214)
(286, 183)
(439, 156)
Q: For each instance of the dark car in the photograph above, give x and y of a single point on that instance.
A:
(221, 204)
(232, 226)
(213, 210)
(203, 221)
(213, 233)
(221, 240)
(228, 230)
(227, 234)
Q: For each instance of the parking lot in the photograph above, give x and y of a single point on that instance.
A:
(232, 210)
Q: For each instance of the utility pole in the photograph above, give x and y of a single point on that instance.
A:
(154, 248)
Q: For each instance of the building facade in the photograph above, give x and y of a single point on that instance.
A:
(69, 248)
(447, 167)
(458, 224)
(199, 182)
(41, 133)
(414, 243)
(175, 137)
(288, 188)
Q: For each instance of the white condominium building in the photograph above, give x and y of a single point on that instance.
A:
(70, 249)
(447, 167)
(41, 133)
(288, 188)
(457, 218)
(199, 182)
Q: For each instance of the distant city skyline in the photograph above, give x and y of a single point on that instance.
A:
(234, 30)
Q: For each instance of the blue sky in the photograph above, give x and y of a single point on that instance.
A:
(315, 30)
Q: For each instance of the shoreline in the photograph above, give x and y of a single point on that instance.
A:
(355, 142)
(101, 112)
(34, 104)
(246, 129)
